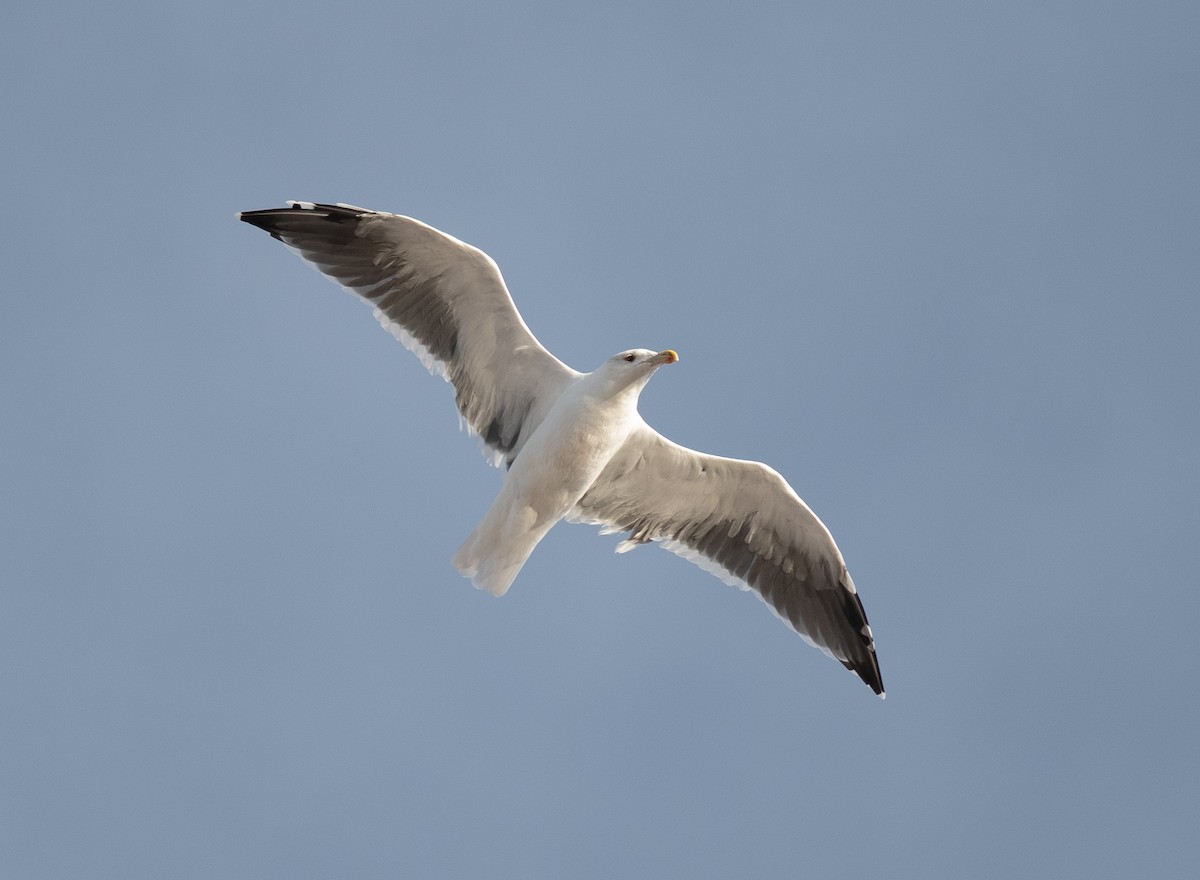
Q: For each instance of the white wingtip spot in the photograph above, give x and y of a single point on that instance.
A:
(305, 206)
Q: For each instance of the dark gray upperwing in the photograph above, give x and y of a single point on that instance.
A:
(445, 300)
(741, 521)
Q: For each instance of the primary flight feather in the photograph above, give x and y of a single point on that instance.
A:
(574, 443)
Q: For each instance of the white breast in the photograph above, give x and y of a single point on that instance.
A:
(571, 447)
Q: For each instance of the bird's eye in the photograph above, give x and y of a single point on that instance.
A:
(630, 358)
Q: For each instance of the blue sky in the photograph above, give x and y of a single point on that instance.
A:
(936, 263)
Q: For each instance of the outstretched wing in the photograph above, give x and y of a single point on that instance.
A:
(741, 521)
(445, 300)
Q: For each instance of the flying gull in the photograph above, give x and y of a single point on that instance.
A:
(574, 443)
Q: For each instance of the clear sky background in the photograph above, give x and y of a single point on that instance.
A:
(938, 263)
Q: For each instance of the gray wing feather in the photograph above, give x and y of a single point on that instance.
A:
(741, 521)
(445, 300)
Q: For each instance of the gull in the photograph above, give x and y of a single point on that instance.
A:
(574, 444)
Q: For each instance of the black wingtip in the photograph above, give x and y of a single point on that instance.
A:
(873, 679)
(863, 660)
(300, 216)
(264, 220)
(868, 672)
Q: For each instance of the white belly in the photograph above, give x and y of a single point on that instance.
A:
(559, 463)
(567, 452)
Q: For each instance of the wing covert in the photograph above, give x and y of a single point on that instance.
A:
(741, 521)
(445, 300)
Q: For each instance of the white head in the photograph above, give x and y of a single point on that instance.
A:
(632, 369)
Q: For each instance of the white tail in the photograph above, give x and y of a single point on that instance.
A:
(494, 553)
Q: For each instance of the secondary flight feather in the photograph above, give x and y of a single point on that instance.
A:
(575, 446)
